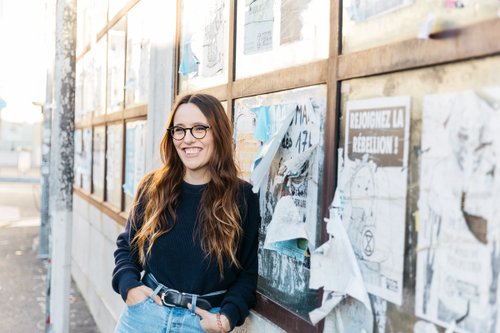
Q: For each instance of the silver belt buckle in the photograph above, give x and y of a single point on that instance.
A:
(164, 294)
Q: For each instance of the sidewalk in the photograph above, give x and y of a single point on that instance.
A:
(22, 274)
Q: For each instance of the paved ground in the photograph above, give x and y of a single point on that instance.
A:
(22, 274)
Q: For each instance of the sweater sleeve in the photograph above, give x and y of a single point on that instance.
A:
(241, 295)
(127, 271)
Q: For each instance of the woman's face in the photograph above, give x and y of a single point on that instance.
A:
(194, 153)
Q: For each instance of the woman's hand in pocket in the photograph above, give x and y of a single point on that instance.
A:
(139, 294)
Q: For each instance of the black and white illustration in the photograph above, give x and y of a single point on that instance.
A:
(458, 242)
(372, 179)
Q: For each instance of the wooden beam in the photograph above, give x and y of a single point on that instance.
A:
(282, 79)
(102, 206)
(284, 318)
(476, 40)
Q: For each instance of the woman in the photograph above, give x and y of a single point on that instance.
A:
(192, 231)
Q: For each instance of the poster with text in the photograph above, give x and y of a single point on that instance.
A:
(373, 181)
(458, 259)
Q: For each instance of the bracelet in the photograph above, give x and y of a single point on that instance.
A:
(219, 322)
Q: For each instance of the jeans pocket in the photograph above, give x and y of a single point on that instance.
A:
(136, 305)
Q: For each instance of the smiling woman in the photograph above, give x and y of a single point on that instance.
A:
(193, 229)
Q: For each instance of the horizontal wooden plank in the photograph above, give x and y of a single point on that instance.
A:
(446, 46)
(136, 111)
(284, 318)
(282, 79)
(102, 206)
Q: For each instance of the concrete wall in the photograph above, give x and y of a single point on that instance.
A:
(94, 237)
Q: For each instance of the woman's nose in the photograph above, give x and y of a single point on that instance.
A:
(189, 136)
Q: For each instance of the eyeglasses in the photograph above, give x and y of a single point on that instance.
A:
(198, 131)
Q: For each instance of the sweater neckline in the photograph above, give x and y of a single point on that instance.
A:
(193, 188)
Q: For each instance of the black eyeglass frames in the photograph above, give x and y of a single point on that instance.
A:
(198, 131)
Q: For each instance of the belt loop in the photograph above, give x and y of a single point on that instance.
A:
(156, 291)
(194, 298)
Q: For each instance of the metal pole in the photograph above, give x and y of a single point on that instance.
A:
(43, 248)
(61, 166)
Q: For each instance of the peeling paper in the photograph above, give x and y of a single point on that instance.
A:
(330, 301)
(427, 26)
(267, 153)
(286, 223)
(334, 257)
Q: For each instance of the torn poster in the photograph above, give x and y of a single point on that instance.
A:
(203, 41)
(362, 10)
(458, 261)
(373, 178)
(339, 278)
(259, 21)
(284, 163)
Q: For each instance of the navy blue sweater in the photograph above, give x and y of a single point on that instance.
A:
(177, 260)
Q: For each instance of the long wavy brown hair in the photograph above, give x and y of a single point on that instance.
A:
(218, 222)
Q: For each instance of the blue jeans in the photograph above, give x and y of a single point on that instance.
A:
(149, 317)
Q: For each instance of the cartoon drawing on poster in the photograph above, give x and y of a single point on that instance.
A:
(213, 42)
(259, 20)
(373, 181)
(458, 257)
(362, 10)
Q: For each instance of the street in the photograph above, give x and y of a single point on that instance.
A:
(22, 274)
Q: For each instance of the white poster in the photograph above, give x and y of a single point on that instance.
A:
(373, 183)
(362, 10)
(458, 260)
(135, 156)
(259, 20)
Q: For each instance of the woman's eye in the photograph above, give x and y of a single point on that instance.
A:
(199, 129)
(178, 130)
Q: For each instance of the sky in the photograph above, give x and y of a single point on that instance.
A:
(23, 58)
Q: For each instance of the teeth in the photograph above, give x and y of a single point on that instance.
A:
(192, 151)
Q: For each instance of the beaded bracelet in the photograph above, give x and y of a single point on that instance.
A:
(219, 322)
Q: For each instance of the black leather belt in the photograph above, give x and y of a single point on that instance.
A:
(172, 297)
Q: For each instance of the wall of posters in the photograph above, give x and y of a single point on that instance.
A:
(459, 258)
(135, 158)
(114, 158)
(450, 90)
(279, 141)
(272, 34)
(204, 43)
